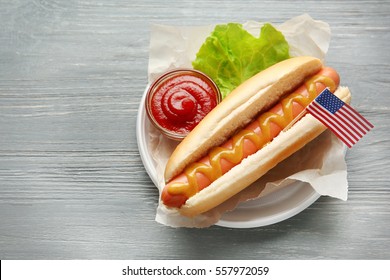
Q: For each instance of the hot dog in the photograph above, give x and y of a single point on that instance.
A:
(243, 137)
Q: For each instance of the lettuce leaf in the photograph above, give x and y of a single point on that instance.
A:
(231, 55)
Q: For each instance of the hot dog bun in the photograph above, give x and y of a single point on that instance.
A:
(254, 95)
(256, 165)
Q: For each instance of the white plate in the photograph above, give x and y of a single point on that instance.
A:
(271, 209)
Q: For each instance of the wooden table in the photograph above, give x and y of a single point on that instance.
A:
(72, 184)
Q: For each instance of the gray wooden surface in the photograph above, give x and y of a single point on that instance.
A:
(72, 185)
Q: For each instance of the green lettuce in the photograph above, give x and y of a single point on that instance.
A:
(231, 55)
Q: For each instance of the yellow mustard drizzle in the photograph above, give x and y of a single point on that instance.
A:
(235, 153)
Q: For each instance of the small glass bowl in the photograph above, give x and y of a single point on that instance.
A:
(164, 78)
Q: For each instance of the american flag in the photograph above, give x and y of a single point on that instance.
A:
(343, 120)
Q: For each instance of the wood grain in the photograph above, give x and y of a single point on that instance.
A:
(72, 184)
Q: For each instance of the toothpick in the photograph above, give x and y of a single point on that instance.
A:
(297, 118)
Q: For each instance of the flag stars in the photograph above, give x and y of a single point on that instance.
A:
(330, 101)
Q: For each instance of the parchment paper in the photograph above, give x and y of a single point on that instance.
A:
(321, 163)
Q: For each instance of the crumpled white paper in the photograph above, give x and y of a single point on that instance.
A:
(321, 163)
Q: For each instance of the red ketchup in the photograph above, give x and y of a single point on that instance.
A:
(179, 100)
